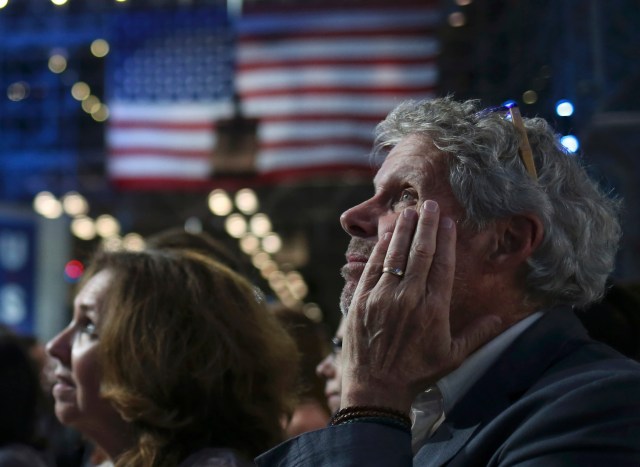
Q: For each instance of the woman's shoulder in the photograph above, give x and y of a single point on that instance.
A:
(216, 457)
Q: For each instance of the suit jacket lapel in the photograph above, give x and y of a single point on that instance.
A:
(557, 332)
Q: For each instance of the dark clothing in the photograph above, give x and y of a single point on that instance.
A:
(555, 397)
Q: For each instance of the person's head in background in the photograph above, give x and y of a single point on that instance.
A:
(331, 370)
(168, 353)
(178, 238)
(311, 411)
(19, 391)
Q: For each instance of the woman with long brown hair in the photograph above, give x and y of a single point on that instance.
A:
(172, 359)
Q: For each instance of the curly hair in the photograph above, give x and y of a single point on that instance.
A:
(581, 227)
(191, 357)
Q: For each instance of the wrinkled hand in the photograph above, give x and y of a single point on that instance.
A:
(398, 339)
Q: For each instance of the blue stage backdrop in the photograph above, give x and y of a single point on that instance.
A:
(17, 273)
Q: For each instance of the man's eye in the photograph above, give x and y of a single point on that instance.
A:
(405, 195)
(406, 198)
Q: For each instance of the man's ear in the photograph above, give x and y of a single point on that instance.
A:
(517, 237)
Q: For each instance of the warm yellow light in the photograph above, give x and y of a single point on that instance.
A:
(289, 301)
(260, 224)
(249, 243)
(133, 242)
(74, 204)
(247, 201)
(90, 103)
(3, 3)
(83, 227)
(47, 205)
(294, 277)
(80, 91)
(277, 282)
(112, 243)
(57, 63)
(267, 268)
(260, 258)
(99, 48)
(220, 203)
(235, 225)
(107, 226)
(58, 2)
(100, 113)
(272, 243)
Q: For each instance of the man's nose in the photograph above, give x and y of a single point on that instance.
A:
(360, 221)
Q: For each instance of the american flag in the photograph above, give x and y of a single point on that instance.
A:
(319, 79)
(169, 79)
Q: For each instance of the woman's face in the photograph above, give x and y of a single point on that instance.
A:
(331, 370)
(75, 349)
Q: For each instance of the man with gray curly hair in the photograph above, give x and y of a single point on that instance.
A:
(461, 345)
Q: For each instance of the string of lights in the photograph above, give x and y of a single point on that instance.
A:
(242, 221)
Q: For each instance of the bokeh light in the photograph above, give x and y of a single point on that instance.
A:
(246, 201)
(73, 270)
(260, 224)
(112, 243)
(18, 91)
(564, 108)
(571, 143)
(235, 225)
(219, 202)
(91, 104)
(74, 204)
(249, 243)
(83, 227)
(100, 113)
(133, 242)
(80, 91)
(530, 97)
(107, 226)
(47, 205)
(57, 63)
(272, 243)
(99, 48)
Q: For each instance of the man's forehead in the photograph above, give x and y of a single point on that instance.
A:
(416, 158)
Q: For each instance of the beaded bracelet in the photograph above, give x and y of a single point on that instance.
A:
(384, 415)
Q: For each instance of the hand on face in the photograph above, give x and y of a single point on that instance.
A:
(398, 338)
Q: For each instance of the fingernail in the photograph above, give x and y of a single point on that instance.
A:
(430, 206)
(446, 223)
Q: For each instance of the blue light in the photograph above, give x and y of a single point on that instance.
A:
(571, 143)
(510, 103)
(564, 108)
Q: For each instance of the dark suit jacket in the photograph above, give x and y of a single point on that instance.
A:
(553, 398)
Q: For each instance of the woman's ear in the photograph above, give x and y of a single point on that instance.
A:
(517, 237)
